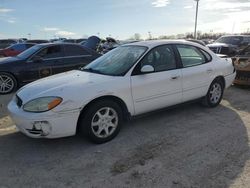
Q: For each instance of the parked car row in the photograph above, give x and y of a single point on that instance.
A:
(40, 61)
(127, 81)
(15, 49)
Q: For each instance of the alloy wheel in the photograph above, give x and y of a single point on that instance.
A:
(104, 122)
(6, 84)
(215, 93)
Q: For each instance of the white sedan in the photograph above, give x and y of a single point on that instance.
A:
(129, 80)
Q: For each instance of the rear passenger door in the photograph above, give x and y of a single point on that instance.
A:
(197, 71)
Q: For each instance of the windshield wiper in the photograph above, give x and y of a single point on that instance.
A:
(91, 70)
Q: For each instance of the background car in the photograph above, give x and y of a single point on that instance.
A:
(4, 43)
(40, 61)
(127, 81)
(242, 66)
(229, 44)
(15, 49)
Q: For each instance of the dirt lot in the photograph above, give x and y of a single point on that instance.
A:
(189, 146)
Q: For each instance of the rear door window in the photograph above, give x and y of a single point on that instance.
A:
(190, 55)
(74, 50)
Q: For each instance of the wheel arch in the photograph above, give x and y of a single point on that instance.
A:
(222, 79)
(126, 114)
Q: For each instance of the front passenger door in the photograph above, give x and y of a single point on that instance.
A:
(160, 88)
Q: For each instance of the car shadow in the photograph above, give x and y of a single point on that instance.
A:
(188, 146)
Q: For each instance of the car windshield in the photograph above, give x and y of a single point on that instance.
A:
(116, 62)
(234, 40)
(27, 53)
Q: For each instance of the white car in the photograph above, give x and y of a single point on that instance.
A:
(129, 80)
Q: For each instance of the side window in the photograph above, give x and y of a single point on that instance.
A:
(208, 57)
(190, 56)
(72, 50)
(162, 58)
(51, 52)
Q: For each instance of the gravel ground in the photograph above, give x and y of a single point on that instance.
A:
(188, 146)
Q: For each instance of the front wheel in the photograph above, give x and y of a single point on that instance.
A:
(101, 122)
(214, 94)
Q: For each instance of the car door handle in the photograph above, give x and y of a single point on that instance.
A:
(209, 70)
(175, 77)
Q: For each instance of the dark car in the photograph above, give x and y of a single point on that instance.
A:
(242, 66)
(229, 44)
(40, 61)
(15, 49)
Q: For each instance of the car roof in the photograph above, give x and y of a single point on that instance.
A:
(153, 43)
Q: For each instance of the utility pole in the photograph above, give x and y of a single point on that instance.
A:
(196, 16)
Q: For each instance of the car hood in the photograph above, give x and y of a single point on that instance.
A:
(7, 60)
(63, 84)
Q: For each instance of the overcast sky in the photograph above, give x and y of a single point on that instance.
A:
(119, 18)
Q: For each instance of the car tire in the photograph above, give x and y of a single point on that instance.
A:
(101, 122)
(214, 94)
(8, 83)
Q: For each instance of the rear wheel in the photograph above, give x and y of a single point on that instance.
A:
(8, 83)
(101, 122)
(214, 94)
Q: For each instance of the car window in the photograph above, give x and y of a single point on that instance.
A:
(162, 58)
(73, 50)
(116, 62)
(207, 55)
(190, 56)
(51, 52)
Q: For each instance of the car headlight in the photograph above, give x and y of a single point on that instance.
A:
(42, 104)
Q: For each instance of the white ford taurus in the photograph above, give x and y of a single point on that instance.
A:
(129, 80)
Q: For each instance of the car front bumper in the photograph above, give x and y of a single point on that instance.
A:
(44, 125)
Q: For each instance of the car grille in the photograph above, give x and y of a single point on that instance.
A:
(19, 101)
(242, 75)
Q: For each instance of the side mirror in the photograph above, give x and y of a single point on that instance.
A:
(147, 69)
